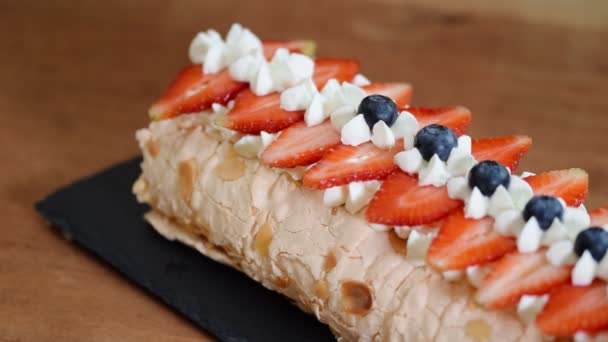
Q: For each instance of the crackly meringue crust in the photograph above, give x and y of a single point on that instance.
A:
(330, 262)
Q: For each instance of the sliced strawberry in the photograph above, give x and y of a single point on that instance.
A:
(505, 150)
(457, 118)
(252, 114)
(571, 185)
(344, 164)
(341, 69)
(402, 202)
(463, 242)
(572, 308)
(599, 216)
(401, 93)
(300, 145)
(518, 274)
(306, 47)
(193, 91)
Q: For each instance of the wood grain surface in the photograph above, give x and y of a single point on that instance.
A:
(76, 78)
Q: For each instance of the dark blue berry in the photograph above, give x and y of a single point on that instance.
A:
(435, 139)
(594, 240)
(378, 107)
(545, 209)
(488, 175)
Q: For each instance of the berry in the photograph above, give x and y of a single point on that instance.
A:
(344, 164)
(253, 114)
(378, 107)
(545, 209)
(457, 118)
(463, 242)
(575, 308)
(401, 93)
(402, 202)
(594, 240)
(571, 185)
(505, 150)
(435, 139)
(193, 91)
(489, 175)
(599, 216)
(517, 274)
(300, 145)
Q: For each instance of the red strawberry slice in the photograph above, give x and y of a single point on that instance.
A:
(572, 308)
(463, 242)
(300, 145)
(252, 114)
(341, 69)
(457, 118)
(505, 150)
(571, 185)
(518, 274)
(402, 202)
(401, 93)
(599, 216)
(344, 164)
(306, 47)
(193, 91)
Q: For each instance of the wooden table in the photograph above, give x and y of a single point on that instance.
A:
(76, 78)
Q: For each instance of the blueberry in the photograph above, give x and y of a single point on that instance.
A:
(378, 107)
(435, 139)
(488, 175)
(545, 209)
(594, 240)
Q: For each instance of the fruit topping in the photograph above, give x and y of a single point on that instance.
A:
(489, 175)
(571, 185)
(457, 118)
(253, 114)
(571, 309)
(545, 209)
(402, 202)
(518, 274)
(505, 150)
(378, 108)
(435, 139)
(594, 240)
(401, 93)
(300, 145)
(193, 91)
(463, 242)
(599, 216)
(344, 164)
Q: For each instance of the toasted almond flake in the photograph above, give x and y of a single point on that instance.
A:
(357, 297)
(232, 167)
(321, 290)
(399, 245)
(330, 261)
(478, 329)
(263, 239)
(153, 147)
(282, 281)
(187, 171)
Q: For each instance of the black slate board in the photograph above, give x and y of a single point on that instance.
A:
(101, 214)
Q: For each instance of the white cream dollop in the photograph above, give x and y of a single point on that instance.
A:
(417, 246)
(208, 48)
(355, 130)
(529, 306)
(252, 146)
(354, 196)
(283, 71)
